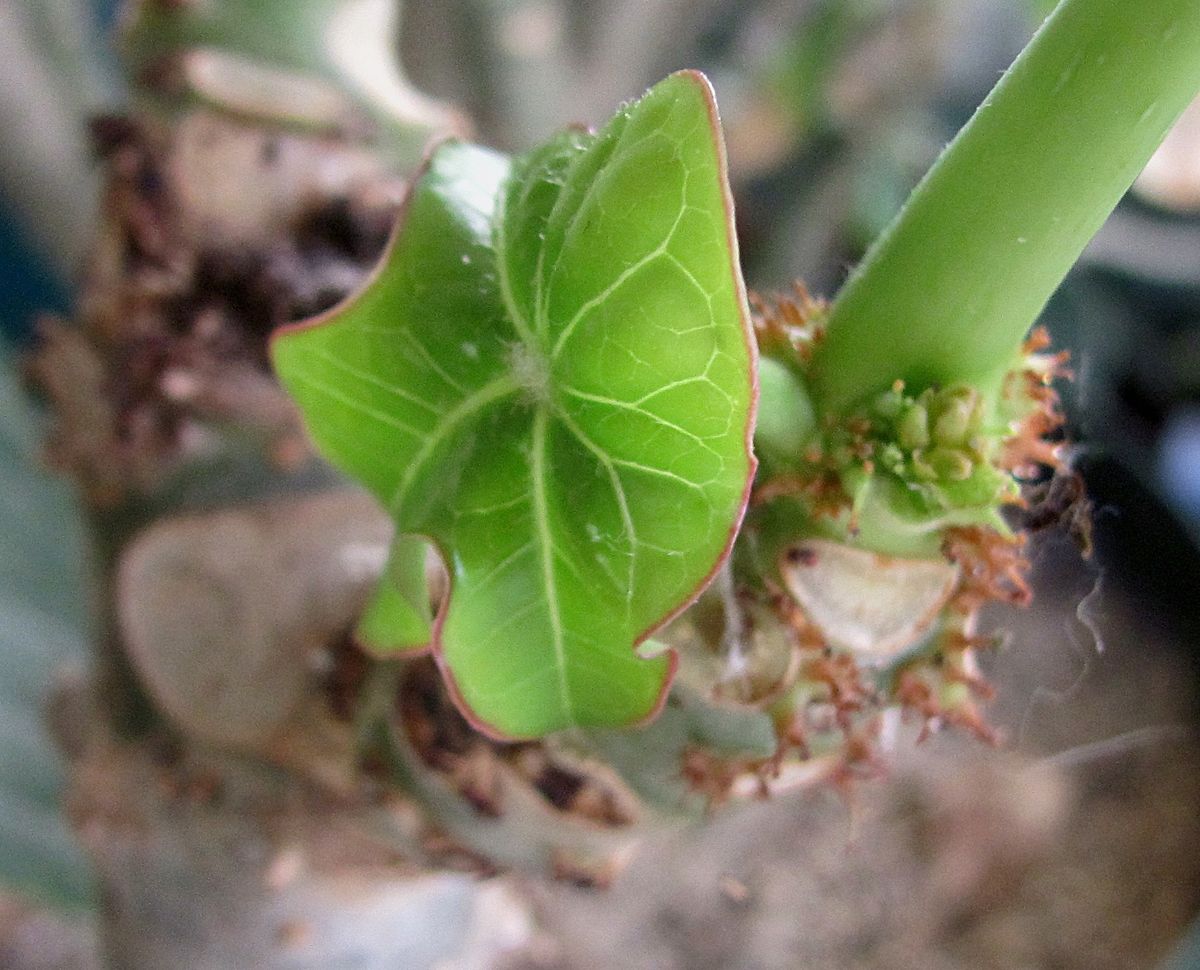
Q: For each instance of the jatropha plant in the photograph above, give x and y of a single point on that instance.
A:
(655, 543)
(551, 383)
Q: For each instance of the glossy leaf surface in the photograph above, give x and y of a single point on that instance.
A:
(550, 377)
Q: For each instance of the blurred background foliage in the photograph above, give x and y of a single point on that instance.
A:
(833, 109)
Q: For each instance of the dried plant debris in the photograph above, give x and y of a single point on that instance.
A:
(479, 767)
(169, 350)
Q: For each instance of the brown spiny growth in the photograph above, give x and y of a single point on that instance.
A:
(993, 567)
(860, 759)
(1030, 447)
(842, 678)
(975, 683)
(956, 641)
(794, 322)
(791, 615)
(918, 695)
(1061, 501)
(820, 484)
(792, 732)
(821, 491)
(710, 775)
(845, 704)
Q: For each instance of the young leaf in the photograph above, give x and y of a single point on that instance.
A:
(551, 378)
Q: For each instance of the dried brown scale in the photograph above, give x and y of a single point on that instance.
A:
(710, 776)
(445, 852)
(993, 568)
(82, 440)
(472, 762)
(346, 677)
(795, 323)
(433, 724)
(580, 873)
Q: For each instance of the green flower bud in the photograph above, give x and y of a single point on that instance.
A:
(889, 404)
(912, 430)
(951, 463)
(890, 458)
(956, 418)
(921, 470)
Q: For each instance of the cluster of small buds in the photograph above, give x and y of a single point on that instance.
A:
(934, 440)
(948, 446)
(957, 454)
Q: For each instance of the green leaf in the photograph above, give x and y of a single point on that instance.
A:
(398, 619)
(551, 378)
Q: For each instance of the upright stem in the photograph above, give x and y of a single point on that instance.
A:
(949, 290)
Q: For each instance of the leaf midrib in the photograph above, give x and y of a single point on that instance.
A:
(532, 334)
(541, 517)
(543, 412)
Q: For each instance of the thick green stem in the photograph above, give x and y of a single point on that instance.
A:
(949, 290)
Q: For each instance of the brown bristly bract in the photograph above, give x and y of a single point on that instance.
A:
(860, 760)
(1027, 448)
(975, 683)
(841, 676)
(821, 490)
(710, 775)
(795, 322)
(917, 696)
(819, 485)
(807, 637)
(993, 567)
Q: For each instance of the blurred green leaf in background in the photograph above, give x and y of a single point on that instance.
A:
(42, 626)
